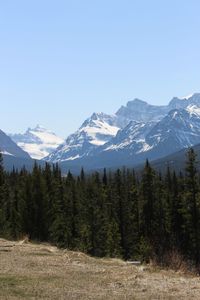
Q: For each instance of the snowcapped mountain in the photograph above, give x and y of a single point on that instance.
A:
(94, 132)
(137, 131)
(38, 142)
(9, 148)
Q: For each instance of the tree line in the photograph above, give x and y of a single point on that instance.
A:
(115, 214)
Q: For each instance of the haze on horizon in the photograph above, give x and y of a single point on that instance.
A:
(61, 61)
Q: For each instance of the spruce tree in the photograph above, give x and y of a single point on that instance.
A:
(147, 197)
(192, 208)
(3, 198)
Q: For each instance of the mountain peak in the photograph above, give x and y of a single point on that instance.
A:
(141, 111)
(40, 128)
(132, 105)
(96, 119)
(37, 128)
(136, 101)
(96, 116)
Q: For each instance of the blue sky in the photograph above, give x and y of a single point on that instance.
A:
(62, 60)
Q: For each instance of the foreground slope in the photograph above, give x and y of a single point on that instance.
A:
(30, 271)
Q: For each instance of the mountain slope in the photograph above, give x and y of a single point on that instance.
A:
(175, 161)
(38, 142)
(132, 137)
(8, 147)
(18, 163)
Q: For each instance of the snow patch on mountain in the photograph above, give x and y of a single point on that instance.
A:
(193, 110)
(144, 147)
(6, 153)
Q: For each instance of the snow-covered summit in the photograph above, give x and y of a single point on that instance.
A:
(94, 132)
(38, 142)
(99, 128)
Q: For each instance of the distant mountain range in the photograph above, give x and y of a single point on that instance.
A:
(135, 132)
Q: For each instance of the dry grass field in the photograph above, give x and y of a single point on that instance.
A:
(31, 271)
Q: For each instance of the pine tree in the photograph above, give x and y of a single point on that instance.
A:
(3, 198)
(83, 242)
(147, 197)
(176, 212)
(113, 242)
(160, 220)
(131, 216)
(192, 212)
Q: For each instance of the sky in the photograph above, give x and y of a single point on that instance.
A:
(62, 60)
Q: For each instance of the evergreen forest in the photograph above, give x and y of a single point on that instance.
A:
(119, 213)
